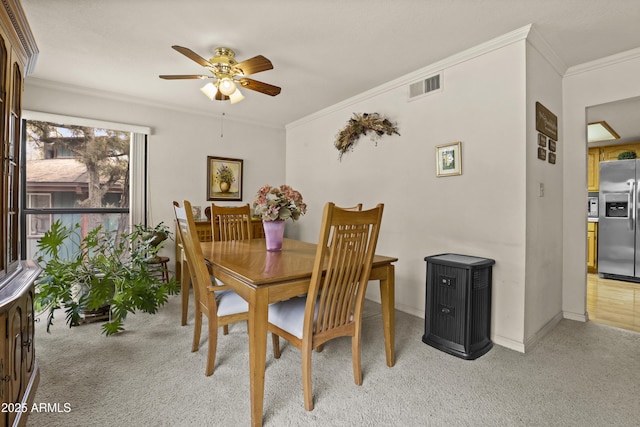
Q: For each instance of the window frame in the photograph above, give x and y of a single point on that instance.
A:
(138, 185)
(30, 218)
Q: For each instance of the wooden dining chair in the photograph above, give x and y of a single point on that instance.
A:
(333, 305)
(357, 207)
(231, 222)
(221, 305)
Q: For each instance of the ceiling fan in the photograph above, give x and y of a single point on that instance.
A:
(227, 74)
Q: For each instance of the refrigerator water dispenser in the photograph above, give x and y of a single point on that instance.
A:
(616, 205)
(617, 210)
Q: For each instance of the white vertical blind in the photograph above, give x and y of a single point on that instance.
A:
(137, 179)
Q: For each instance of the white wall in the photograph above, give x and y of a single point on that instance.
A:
(491, 210)
(178, 146)
(610, 79)
(480, 213)
(543, 295)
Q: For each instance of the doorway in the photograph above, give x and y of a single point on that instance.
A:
(615, 302)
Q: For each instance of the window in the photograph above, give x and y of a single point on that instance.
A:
(78, 172)
(38, 224)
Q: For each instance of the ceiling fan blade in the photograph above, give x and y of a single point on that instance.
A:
(259, 86)
(254, 65)
(184, 76)
(192, 55)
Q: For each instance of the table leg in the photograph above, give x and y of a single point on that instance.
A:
(258, 318)
(387, 298)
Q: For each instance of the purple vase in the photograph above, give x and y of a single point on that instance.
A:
(273, 234)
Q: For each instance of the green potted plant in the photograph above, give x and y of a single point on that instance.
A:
(100, 271)
(627, 155)
(155, 235)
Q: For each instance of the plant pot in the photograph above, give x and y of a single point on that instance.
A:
(273, 234)
(98, 315)
(156, 237)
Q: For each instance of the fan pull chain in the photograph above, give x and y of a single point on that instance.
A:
(222, 126)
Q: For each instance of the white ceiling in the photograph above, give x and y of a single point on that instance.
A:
(323, 51)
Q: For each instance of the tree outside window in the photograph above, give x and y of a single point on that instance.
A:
(75, 171)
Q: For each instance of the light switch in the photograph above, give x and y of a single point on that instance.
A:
(541, 192)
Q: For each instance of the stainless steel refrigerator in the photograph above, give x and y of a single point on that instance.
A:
(618, 234)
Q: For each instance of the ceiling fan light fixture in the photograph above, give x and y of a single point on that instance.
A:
(226, 86)
(236, 96)
(209, 90)
(227, 74)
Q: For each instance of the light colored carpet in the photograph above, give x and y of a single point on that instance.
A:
(580, 374)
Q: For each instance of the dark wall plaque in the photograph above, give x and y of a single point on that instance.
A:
(546, 122)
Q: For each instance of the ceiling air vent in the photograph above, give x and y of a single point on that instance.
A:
(423, 87)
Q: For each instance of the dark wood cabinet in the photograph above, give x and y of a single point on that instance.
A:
(19, 374)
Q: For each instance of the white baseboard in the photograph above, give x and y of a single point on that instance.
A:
(575, 316)
(508, 343)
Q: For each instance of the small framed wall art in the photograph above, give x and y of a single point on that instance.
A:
(224, 178)
(542, 140)
(542, 153)
(197, 212)
(449, 159)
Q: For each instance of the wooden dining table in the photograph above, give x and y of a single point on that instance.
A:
(262, 277)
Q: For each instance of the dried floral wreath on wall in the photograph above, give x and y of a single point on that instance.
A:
(359, 125)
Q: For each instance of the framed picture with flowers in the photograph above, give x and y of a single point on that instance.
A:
(224, 178)
(449, 159)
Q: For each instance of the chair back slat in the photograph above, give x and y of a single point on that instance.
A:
(200, 275)
(182, 226)
(343, 264)
(231, 222)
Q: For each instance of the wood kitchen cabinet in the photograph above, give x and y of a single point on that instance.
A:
(593, 169)
(611, 152)
(592, 247)
(601, 154)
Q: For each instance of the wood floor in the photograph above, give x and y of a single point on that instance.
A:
(613, 302)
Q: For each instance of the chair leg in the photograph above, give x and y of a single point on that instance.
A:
(276, 345)
(213, 344)
(319, 348)
(197, 327)
(306, 377)
(225, 330)
(185, 284)
(355, 354)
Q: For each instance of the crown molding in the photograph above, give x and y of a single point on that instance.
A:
(607, 61)
(541, 45)
(16, 20)
(466, 55)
